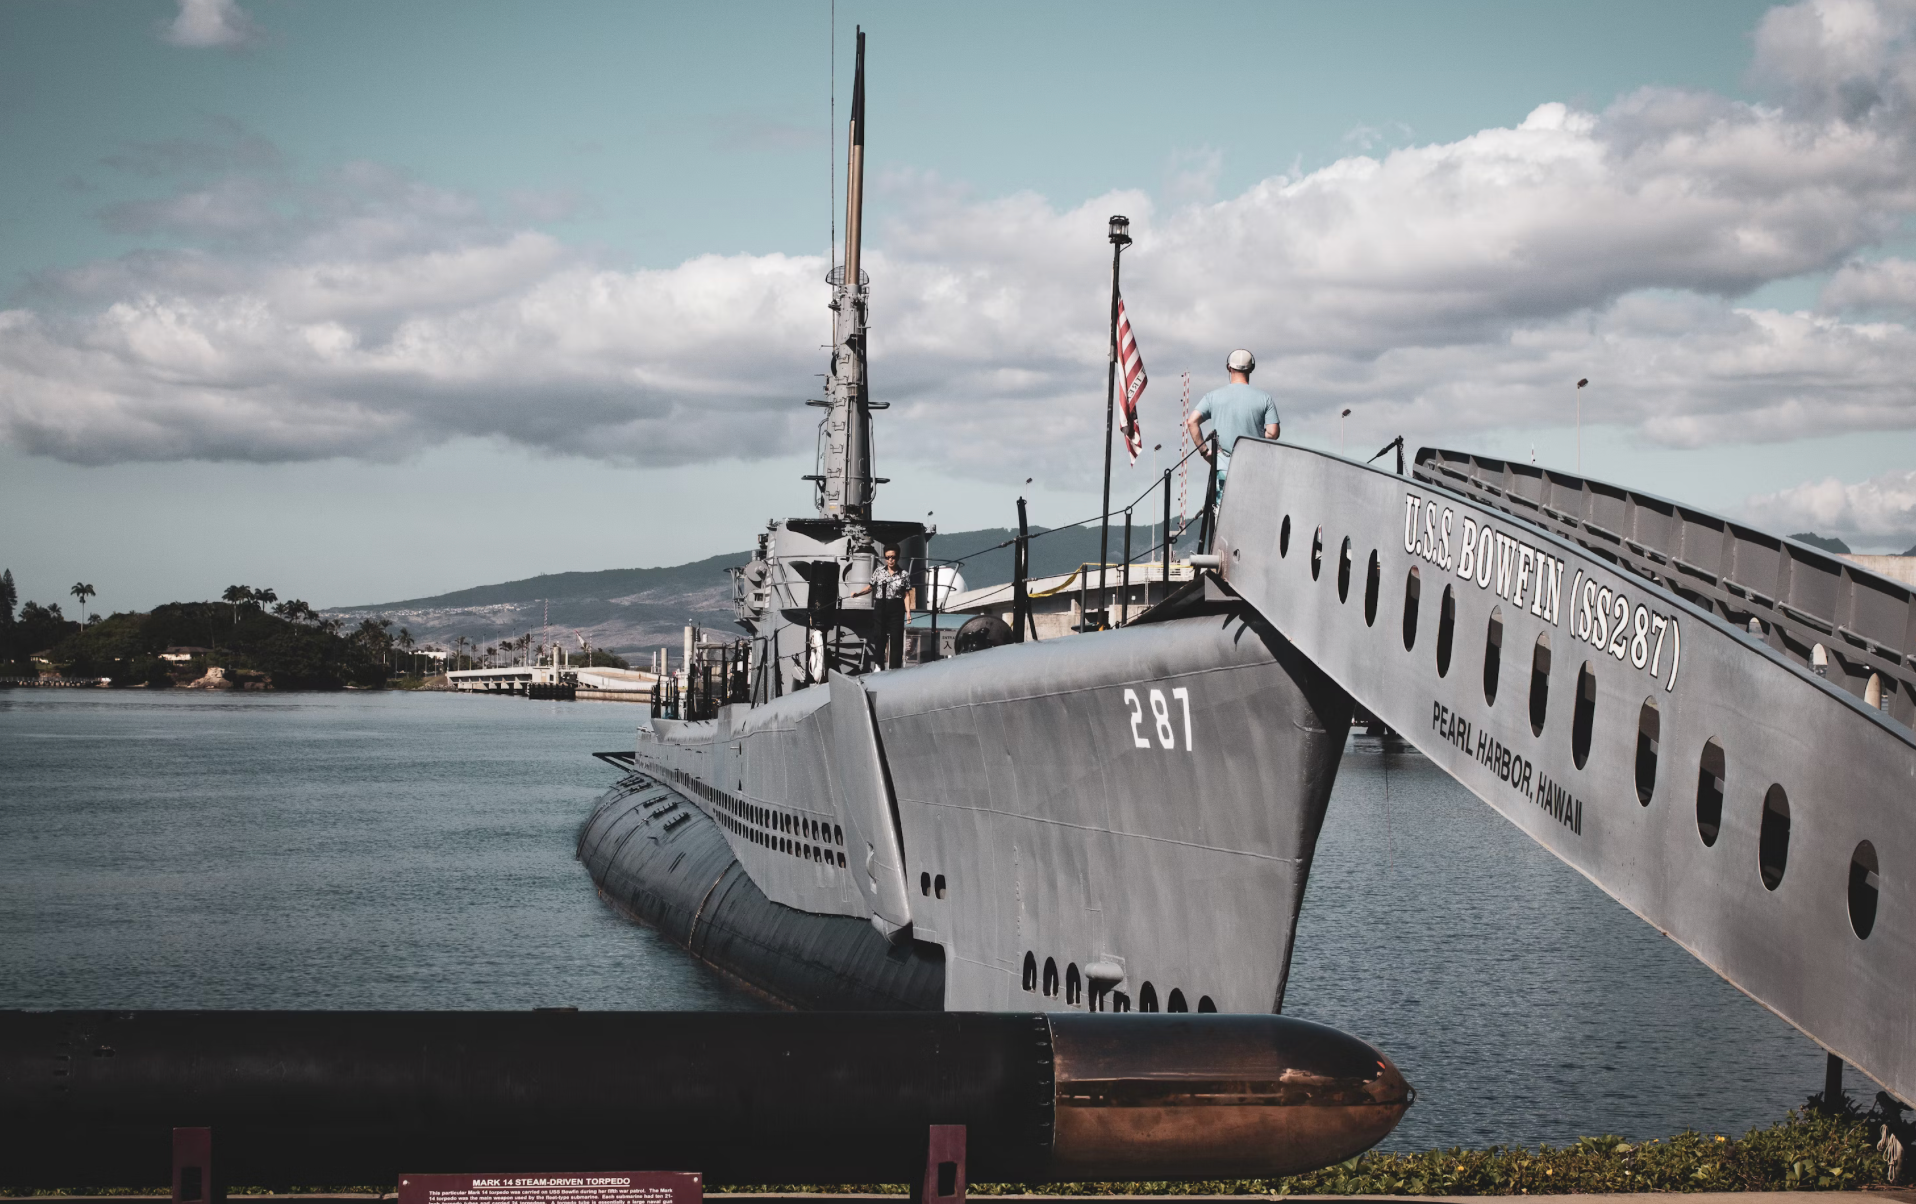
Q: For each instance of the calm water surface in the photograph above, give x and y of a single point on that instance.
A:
(415, 851)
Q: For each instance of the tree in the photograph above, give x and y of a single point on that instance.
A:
(237, 594)
(82, 591)
(264, 597)
(9, 598)
(295, 611)
(405, 642)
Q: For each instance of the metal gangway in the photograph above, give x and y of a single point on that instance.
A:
(1710, 723)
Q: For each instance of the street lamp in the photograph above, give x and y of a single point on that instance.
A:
(1580, 385)
(1120, 235)
(1340, 429)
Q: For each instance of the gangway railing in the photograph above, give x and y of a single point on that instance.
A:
(1609, 697)
(1835, 618)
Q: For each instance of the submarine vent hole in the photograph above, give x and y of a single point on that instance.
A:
(1284, 538)
(1864, 882)
(1030, 979)
(924, 885)
(938, 887)
(1584, 716)
(1773, 838)
(1649, 728)
(1073, 985)
(1709, 792)
(1493, 654)
(1344, 571)
(1413, 589)
(1446, 630)
(841, 861)
(1147, 998)
(1317, 553)
(1205, 1004)
(1371, 579)
(1050, 977)
(1539, 684)
(1175, 1001)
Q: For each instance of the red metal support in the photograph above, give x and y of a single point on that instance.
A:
(193, 1166)
(944, 1167)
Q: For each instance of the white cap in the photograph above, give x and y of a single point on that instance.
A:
(1241, 361)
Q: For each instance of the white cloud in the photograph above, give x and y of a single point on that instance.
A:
(1878, 284)
(1450, 287)
(204, 23)
(1880, 512)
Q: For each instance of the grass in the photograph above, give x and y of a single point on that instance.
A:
(1810, 1150)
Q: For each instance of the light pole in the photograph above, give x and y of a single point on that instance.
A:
(1580, 385)
(1120, 235)
(1340, 429)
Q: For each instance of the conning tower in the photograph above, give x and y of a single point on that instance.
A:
(798, 596)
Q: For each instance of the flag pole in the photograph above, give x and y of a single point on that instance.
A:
(1120, 239)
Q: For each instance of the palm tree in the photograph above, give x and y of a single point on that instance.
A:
(83, 591)
(264, 597)
(405, 642)
(237, 594)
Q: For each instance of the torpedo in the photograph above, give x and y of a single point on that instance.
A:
(817, 1097)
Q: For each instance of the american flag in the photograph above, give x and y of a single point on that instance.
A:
(1131, 372)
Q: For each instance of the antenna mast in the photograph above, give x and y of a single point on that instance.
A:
(845, 484)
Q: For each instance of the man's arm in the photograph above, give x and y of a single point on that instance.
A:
(1271, 429)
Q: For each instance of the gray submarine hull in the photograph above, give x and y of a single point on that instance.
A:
(1114, 822)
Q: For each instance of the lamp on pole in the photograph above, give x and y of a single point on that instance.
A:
(1340, 429)
(1580, 384)
(1120, 235)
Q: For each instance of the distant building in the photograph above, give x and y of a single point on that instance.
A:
(180, 654)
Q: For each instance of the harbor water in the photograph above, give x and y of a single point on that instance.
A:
(391, 850)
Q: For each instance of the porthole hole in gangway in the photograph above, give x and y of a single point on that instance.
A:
(1030, 977)
(1709, 792)
(1493, 654)
(1344, 571)
(1317, 553)
(1773, 839)
(1446, 630)
(1649, 729)
(1175, 1003)
(1147, 998)
(1413, 588)
(1372, 578)
(1284, 538)
(1073, 985)
(1584, 716)
(1539, 683)
(1864, 882)
(1051, 976)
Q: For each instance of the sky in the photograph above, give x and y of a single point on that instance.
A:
(363, 301)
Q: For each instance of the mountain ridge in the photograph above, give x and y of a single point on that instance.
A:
(631, 611)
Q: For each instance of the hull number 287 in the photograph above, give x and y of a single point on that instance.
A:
(1159, 721)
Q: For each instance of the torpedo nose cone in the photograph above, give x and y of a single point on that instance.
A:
(1215, 1096)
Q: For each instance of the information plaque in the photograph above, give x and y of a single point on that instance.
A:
(598, 1187)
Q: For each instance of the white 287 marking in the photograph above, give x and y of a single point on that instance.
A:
(1160, 718)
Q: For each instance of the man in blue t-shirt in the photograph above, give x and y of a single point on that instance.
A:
(1235, 410)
